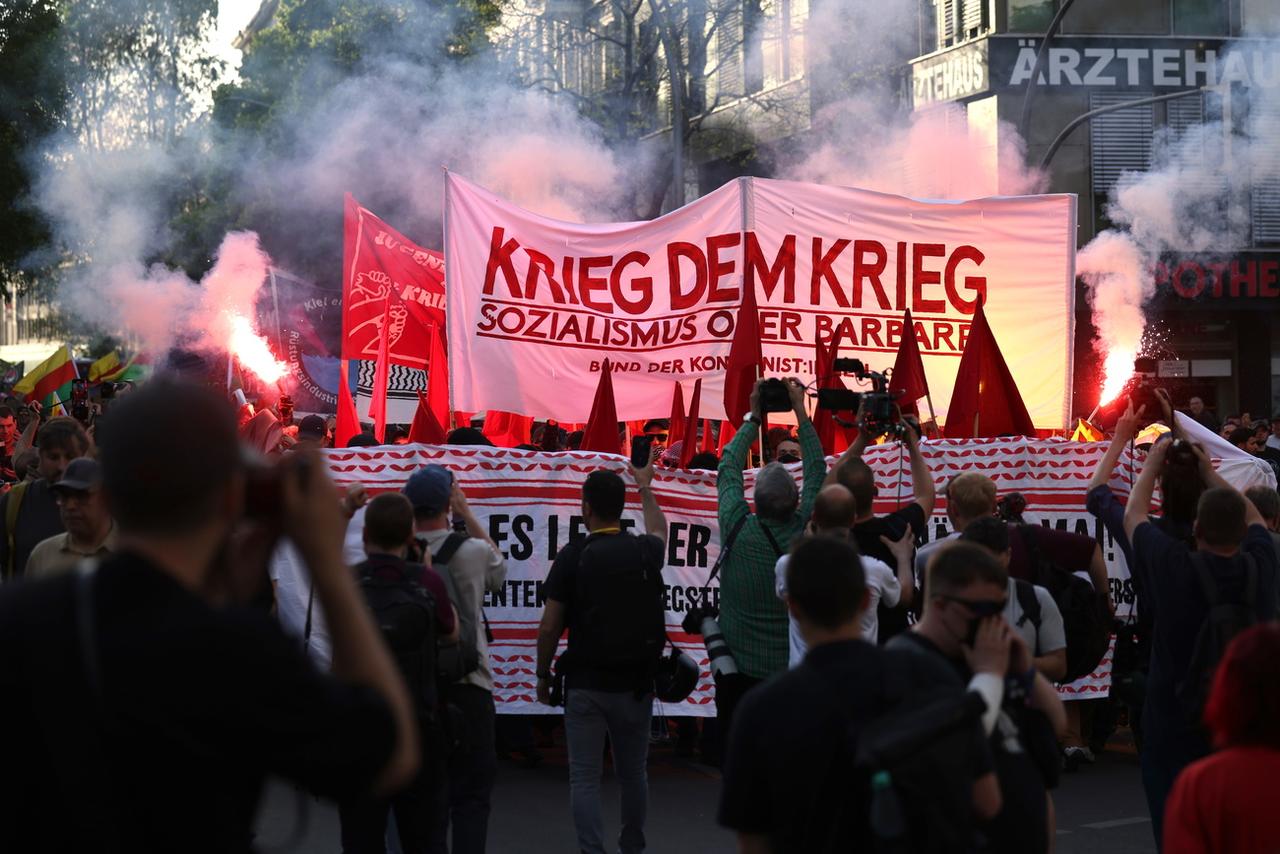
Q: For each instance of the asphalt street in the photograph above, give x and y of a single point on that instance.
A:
(1101, 809)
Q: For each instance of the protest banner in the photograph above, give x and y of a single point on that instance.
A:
(305, 328)
(531, 502)
(536, 305)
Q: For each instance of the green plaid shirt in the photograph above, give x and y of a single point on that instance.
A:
(752, 617)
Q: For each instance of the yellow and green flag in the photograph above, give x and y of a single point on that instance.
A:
(109, 369)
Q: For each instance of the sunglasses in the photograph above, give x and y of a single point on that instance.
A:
(979, 608)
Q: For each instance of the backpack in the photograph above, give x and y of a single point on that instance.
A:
(916, 803)
(458, 658)
(1085, 618)
(405, 613)
(619, 616)
(1222, 622)
(1025, 592)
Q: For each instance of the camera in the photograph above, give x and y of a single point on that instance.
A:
(879, 415)
(701, 620)
(1181, 453)
(1142, 388)
(774, 396)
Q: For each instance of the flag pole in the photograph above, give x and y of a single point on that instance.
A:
(933, 419)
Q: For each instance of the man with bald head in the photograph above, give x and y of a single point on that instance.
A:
(871, 532)
(833, 516)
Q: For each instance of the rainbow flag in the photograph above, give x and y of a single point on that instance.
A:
(50, 382)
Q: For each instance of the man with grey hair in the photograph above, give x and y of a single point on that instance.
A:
(752, 618)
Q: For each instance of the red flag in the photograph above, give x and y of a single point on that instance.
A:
(708, 436)
(348, 418)
(601, 433)
(506, 429)
(438, 378)
(745, 358)
(908, 368)
(381, 377)
(727, 431)
(986, 401)
(690, 437)
(425, 428)
(676, 431)
(829, 432)
(380, 263)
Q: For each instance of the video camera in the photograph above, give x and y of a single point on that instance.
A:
(879, 415)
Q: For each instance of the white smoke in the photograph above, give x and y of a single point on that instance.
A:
(1193, 199)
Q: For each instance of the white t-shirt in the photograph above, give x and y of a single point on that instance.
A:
(1052, 635)
(882, 585)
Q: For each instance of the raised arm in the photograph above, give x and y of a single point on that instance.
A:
(814, 460)
(655, 522)
(1139, 506)
(926, 494)
(1126, 429)
(729, 486)
(1216, 481)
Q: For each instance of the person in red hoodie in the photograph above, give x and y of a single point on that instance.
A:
(1225, 803)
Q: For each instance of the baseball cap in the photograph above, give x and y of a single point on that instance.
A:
(81, 475)
(429, 488)
(312, 427)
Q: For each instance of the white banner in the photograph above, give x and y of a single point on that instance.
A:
(535, 304)
(531, 502)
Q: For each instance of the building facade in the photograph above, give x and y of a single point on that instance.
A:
(1215, 315)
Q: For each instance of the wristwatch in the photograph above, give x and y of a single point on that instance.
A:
(751, 416)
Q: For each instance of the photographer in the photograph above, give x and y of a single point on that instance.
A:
(608, 590)
(752, 619)
(155, 703)
(29, 512)
(967, 593)
(873, 533)
(1234, 563)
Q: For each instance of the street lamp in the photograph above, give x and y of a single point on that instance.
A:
(1110, 108)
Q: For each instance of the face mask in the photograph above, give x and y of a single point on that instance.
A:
(788, 458)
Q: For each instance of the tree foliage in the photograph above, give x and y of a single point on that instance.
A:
(32, 101)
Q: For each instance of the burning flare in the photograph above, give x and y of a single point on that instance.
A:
(1117, 370)
(252, 350)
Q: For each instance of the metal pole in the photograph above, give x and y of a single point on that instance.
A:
(1041, 57)
(1081, 119)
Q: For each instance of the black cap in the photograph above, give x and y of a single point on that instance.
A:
(312, 427)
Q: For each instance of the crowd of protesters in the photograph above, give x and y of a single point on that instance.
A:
(199, 608)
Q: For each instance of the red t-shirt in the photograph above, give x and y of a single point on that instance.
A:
(1225, 804)
(1073, 552)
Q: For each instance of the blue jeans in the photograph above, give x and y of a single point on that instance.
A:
(588, 715)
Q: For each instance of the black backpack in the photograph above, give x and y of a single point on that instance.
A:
(461, 657)
(1025, 592)
(917, 804)
(1085, 617)
(405, 613)
(1222, 622)
(619, 620)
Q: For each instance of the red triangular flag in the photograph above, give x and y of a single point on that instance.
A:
(708, 436)
(381, 375)
(601, 433)
(425, 428)
(986, 401)
(908, 368)
(745, 359)
(727, 432)
(438, 378)
(676, 431)
(690, 436)
(348, 419)
(824, 422)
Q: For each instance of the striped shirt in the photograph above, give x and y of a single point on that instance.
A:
(753, 619)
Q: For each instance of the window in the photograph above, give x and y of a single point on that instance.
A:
(1260, 17)
(1120, 142)
(1030, 16)
(1140, 17)
(1264, 128)
(1200, 17)
(753, 32)
(729, 70)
